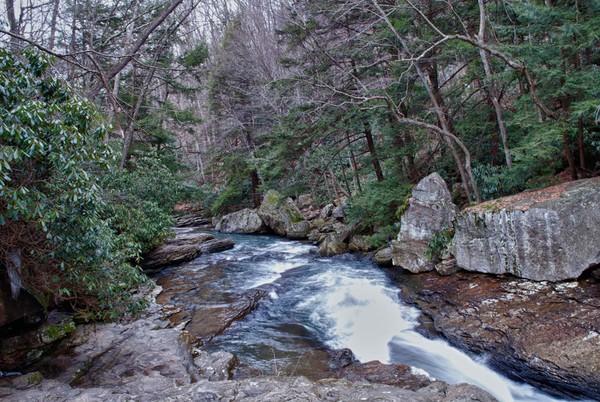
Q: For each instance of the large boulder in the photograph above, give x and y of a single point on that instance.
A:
(281, 215)
(551, 234)
(430, 211)
(244, 221)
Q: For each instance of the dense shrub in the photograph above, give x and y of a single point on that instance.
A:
(379, 205)
(54, 240)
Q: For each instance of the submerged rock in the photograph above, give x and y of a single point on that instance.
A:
(542, 333)
(243, 221)
(551, 234)
(430, 211)
(210, 320)
(184, 247)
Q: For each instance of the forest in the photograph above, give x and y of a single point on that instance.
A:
(112, 112)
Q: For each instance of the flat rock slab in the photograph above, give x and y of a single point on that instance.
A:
(184, 247)
(545, 333)
(260, 389)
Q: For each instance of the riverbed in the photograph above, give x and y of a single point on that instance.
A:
(316, 304)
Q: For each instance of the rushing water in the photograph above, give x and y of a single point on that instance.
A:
(335, 303)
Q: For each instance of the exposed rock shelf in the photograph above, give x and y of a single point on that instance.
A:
(184, 247)
(148, 360)
(543, 333)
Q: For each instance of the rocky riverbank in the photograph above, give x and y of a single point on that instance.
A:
(150, 360)
(543, 333)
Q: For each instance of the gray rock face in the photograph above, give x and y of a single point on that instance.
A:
(184, 247)
(383, 257)
(281, 214)
(326, 211)
(551, 234)
(244, 221)
(216, 366)
(193, 220)
(276, 389)
(430, 211)
(333, 238)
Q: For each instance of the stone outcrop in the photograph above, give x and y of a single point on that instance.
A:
(547, 334)
(192, 219)
(430, 211)
(265, 388)
(244, 221)
(148, 360)
(27, 347)
(550, 234)
(359, 243)
(184, 247)
(282, 215)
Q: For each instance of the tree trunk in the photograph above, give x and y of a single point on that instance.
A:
(435, 96)
(12, 25)
(580, 143)
(355, 175)
(52, 39)
(128, 141)
(135, 47)
(493, 95)
(373, 152)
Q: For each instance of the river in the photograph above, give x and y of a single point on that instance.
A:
(336, 303)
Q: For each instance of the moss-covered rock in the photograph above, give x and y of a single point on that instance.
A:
(282, 216)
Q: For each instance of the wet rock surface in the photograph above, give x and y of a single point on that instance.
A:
(149, 360)
(547, 334)
(184, 247)
(212, 319)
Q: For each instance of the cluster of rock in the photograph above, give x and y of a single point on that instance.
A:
(109, 362)
(299, 220)
(551, 234)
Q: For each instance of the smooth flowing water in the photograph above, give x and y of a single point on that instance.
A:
(336, 303)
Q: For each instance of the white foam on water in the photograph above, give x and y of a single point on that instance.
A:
(268, 272)
(366, 316)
